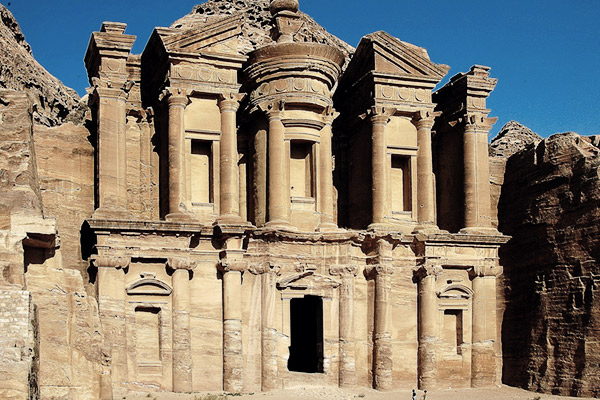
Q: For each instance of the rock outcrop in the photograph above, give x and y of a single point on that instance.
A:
(512, 138)
(550, 205)
(257, 24)
(53, 103)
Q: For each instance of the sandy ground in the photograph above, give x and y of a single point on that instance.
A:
(503, 393)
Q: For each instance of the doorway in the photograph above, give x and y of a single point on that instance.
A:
(306, 320)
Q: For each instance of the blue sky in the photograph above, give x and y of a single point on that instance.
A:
(546, 54)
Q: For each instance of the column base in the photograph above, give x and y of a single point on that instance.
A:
(231, 220)
(179, 217)
(281, 225)
(328, 227)
(380, 226)
(480, 231)
(426, 228)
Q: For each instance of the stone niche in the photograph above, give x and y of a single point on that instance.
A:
(291, 220)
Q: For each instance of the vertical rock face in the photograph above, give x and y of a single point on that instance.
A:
(53, 103)
(512, 138)
(550, 206)
(46, 182)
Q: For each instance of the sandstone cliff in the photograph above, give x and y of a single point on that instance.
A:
(550, 205)
(51, 341)
(53, 103)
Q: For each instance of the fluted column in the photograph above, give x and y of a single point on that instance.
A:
(347, 377)
(182, 341)
(112, 152)
(425, 182)
(233, 358)
(177, 103)
(428, 325)
(278, 191)
(229, 172)
(484, 330)
(382, 343)
(325, 195)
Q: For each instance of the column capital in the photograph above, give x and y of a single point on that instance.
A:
(480, 271)
(264, 268)
(111, 262)
(344, 270)
(274, 110)
(329, 115)
(423, 271)
(233, 265)
(181, 263)
(230, 101)
(384, 270)
(425, 119)
(478, 122)
(379, 115)
(116, 93)
(175, 97)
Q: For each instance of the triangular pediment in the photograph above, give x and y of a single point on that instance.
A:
(219, 36)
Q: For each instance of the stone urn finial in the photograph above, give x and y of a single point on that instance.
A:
(286, 18)
(278, 6)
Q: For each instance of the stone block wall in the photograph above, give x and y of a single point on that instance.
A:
(17, 368)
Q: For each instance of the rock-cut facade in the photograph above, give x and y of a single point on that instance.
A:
(275, 208)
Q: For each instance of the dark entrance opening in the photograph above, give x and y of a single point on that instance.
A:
(306, 320)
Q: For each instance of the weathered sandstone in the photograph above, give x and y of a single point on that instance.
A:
(549, 205)
(53, 103)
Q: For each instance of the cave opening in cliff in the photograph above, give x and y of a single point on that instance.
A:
(306, 326)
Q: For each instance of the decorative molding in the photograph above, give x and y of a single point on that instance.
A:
(148, 285)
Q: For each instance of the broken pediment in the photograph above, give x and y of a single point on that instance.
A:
(220, 36)
(382, 53)
(307, 280)
(149, 286)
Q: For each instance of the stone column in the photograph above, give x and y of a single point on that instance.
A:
(182, 347)
(112, 152)
(477, 174)
(348, 273)
(278, 191)
(483, 352)
(112, 309)
(382, 344)
(177, 102)
(425, 183)
(428, 325)
(233, 357)
(325, 195)
(379, 165)
(269, 374)
(229, 173)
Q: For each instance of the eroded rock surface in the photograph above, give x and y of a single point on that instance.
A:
(550, 206)
(53, 103)
(512, 138)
